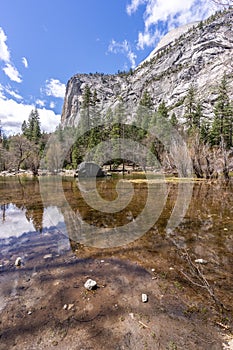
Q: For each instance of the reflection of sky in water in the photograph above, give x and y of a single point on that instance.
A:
(15, 222)
(52, 216)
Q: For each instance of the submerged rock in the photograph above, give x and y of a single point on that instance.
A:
(144, 298)
(201, 261)
(90, 284)
(18, 261)
(68, 307)
(48, 256)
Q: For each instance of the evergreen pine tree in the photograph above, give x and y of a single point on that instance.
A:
(193, 110)
(190, 107)
(24, 128)
(146, 100)
(86, 106)
(144, 114)
(223, 120)
(76, 156)
(162, 110)
(205, 132)
(31, 130)
(197, 117)
(174, 120)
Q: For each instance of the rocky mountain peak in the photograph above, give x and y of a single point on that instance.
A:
(197, 54)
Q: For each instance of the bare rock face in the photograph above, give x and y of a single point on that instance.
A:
(199, 56)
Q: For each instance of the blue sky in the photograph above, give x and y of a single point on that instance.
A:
(43, 43)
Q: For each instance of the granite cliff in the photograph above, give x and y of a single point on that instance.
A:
(199, 54)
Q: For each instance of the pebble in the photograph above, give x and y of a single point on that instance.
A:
(48, 256)
(70, 306)
(201, 261)
(144, 298)
(18, 261)
(90, 284)
(153, 270)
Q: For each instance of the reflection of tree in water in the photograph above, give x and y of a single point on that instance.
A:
(36, 216)
(107, 191)
(24, 193)
(204, 228)
(3, 208)
(32, 202)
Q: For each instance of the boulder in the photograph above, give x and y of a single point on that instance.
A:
(89, 169)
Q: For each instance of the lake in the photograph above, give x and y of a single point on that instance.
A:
(180, 232)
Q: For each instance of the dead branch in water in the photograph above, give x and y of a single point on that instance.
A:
(195, 276)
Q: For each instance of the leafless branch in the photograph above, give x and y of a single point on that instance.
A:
(197, 278)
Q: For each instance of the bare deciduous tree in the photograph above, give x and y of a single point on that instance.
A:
(23, 152)
(19, 151)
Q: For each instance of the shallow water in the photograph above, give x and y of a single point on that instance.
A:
(30, 209)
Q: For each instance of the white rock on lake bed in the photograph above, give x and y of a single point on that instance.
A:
(90, 284)
(18, 261)
(48, 256)
(201, 261)
(144, 298)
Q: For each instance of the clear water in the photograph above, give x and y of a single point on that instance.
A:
(31, 208)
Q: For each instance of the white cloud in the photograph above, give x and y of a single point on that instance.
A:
(7, 89)
(2, 96)
(149, 38)
(12, 73)
(40, 103)
(12, 115)
(4, 51)
(13, 93)
(9, 68)
(168, 14)
(55, 88)
(52, 104)
(124, 48)
(25, 62)
(134, 6)
(49, 120)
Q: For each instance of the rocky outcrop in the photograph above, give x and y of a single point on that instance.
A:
(199, 56)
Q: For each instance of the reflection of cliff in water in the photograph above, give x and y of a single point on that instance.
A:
(206, 228)
(205, 232)
(24, 193)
